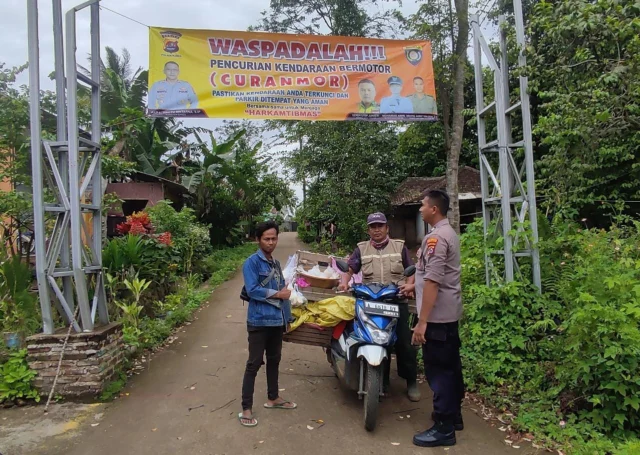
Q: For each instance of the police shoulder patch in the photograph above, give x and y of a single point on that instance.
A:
(431, 245)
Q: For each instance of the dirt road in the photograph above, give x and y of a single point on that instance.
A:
(203, 371)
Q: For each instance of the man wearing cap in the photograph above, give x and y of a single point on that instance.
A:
(172, 93)
(383, 260)
(396, 103)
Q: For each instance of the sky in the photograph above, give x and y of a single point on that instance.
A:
(118, 32)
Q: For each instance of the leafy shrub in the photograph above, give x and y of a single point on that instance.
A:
(16, 378)
(17, 302)
(220, 207)
(572, 353)
(305, 235)
(223, 263)
(123, 253)
(148, 331)
(115, 168)
(188, 236)
(146, 257)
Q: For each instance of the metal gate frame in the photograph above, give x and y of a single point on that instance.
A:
(70, 266)
(504, 195)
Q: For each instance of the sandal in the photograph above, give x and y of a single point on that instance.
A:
(282, 405)
(252, 420)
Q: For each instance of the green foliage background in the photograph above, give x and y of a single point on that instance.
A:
(567, 360)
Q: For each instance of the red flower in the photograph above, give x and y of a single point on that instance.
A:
(137, 229)
(165, 238)
(123, 228)
(138, 223)
(140, 217)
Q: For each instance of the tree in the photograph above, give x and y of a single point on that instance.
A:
(347, 168)
(218, 161)
(14, 125)
(351, 169)
(422, 152)
(331, 17)
(448, 30)
(16, 207)
(121, 86)
(584, 61)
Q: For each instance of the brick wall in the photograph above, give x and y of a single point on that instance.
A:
(89, 363)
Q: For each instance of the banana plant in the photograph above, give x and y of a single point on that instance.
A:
(218, 162)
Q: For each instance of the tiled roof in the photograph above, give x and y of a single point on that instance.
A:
(413, 189)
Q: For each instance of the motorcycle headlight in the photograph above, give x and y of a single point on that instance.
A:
(377, 335)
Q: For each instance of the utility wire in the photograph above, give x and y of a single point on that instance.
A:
(126, 17)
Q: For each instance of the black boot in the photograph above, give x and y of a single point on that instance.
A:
(438, 435)
(458, 423)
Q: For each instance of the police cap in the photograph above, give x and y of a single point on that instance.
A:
(394, 80)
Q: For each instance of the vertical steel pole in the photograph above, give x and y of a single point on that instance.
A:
(504, 67)
(58, 45)
(61, 134)
(482, 139)
(36, 164)
(74, 178)
(505, 177)
(528, 144)
(96, 192)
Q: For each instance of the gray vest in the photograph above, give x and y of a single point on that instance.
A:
(382, 266)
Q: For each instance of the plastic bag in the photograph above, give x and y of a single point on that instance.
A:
(302, 283)
(296, 299)
(289, 270)
(315, 272)
(328, 272)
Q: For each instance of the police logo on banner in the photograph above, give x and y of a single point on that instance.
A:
(413, 54)
(171, 41)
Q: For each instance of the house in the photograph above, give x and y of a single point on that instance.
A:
(406, 222)
(142, 191)
(290, 224)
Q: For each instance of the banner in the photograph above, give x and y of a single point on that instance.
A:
(245, 75)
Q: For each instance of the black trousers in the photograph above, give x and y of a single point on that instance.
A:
(261, 340)
(405, 351)
(443, 369)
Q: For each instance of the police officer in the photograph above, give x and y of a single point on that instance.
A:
(422, 103)
(171, 93)
(396, 103)
(383, 260)
(367, 92)
(438, 297)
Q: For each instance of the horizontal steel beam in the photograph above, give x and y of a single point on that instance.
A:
(491, 106)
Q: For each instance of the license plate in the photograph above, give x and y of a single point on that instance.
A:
(382, 309)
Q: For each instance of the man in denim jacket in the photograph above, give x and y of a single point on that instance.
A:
(267, 319)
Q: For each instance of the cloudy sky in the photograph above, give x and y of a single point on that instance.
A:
(119, 32)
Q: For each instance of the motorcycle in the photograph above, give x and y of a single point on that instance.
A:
(359, 354)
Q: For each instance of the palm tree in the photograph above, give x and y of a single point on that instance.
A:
(121, 86)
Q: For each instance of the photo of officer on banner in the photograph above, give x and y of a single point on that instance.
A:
(172, 93)
(396, 103)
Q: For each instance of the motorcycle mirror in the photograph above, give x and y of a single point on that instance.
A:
(409, 271)
(343, 266)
